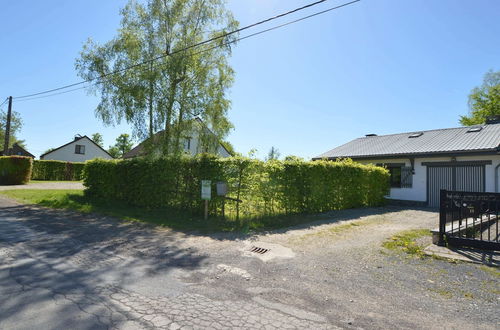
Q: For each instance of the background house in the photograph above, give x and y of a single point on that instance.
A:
(190, 143)
(17, 150)
(423, 163)
(82, 148)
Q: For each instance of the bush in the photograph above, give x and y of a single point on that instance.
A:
(15, 170)
(55, 170)
(264, 188)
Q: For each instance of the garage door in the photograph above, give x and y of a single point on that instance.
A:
(459, 178)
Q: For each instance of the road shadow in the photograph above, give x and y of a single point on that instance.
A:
(66, 263)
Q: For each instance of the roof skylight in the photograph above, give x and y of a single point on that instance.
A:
(475, 129)
(416, 135)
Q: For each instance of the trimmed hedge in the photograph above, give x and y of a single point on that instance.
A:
(55, 170)
(15, 170)
(264, 188)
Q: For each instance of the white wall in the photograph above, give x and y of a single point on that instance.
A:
(67, 153)
(193, 150)
(418, 192)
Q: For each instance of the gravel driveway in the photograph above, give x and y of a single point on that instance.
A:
(66, 185)
(63, 270)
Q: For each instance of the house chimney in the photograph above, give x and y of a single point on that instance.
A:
(77, 137)
(493, 120)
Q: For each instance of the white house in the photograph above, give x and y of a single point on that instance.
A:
(82, 148)
(190, 143)
(422, 163)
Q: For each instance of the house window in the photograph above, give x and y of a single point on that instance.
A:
(401, 176)
(80, 149)
(187, 144)
(395, 173)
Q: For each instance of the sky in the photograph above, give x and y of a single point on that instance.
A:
(377, 66)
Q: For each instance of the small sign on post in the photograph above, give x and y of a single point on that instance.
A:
(221, 188)
(206, 194)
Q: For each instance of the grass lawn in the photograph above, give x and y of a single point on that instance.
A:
(175, 219)
(45, 181)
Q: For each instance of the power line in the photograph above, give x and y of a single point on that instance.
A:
(4, 102)
(54, 94)
(200, 44)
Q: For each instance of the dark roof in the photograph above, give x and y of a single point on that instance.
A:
(17, 150)
(486, 138)
(76, 139)
(139, 149)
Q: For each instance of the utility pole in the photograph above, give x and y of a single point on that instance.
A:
(7, 129)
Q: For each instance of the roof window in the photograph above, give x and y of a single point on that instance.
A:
(475, 129)
(416, 135)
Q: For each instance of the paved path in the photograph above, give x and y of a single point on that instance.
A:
(47, 185)
(63, 270)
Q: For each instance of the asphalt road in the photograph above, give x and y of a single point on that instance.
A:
(61, 270)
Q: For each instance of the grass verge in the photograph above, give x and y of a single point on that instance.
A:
(75, 200)
(407, 241)
(494, 271)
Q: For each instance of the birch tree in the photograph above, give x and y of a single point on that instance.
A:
(167, 93)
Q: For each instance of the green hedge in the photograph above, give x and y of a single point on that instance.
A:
(15, 170)
(264, 188)
(55, 170)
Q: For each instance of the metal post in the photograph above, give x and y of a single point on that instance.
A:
(206, 209)
(442, 218)
(7, 129)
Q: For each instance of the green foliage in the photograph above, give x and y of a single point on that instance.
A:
(15, 126)
(97, 138)
(266, 189)
(229, 147)
(15, 170)
(484, 101)
(293, 158)
(406, 241)
(273, 154)
(55, 170)
(167, 93)
(123, 143)
(114, 152)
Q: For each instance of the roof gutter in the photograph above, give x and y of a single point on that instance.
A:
(480, 152)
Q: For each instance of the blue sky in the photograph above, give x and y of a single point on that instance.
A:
(378, 66)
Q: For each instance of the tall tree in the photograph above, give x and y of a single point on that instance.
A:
(167, 93)
(484, 100)
(15, 127)
(124, 143)
(273, 154)
(97, 138)
(122, 146)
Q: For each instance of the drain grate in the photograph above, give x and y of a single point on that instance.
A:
(259, 250)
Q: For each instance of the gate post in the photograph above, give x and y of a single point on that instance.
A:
(442, 217)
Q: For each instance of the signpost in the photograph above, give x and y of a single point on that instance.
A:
(206, 194)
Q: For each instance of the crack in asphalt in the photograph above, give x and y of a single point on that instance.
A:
(69, 269)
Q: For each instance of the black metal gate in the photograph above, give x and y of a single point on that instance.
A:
(469, 219)
(458, 178)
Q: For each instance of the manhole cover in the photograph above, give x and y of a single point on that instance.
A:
(259, 250)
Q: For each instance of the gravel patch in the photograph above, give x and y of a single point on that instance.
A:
(65, 269)
(47, 185)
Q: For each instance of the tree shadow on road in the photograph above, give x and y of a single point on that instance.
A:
(65, 262)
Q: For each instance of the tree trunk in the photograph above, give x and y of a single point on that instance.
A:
(168, 119)
(151, 96)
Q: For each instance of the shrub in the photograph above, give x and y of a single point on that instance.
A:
(56, 170)
(15, 170)
(264, 188)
